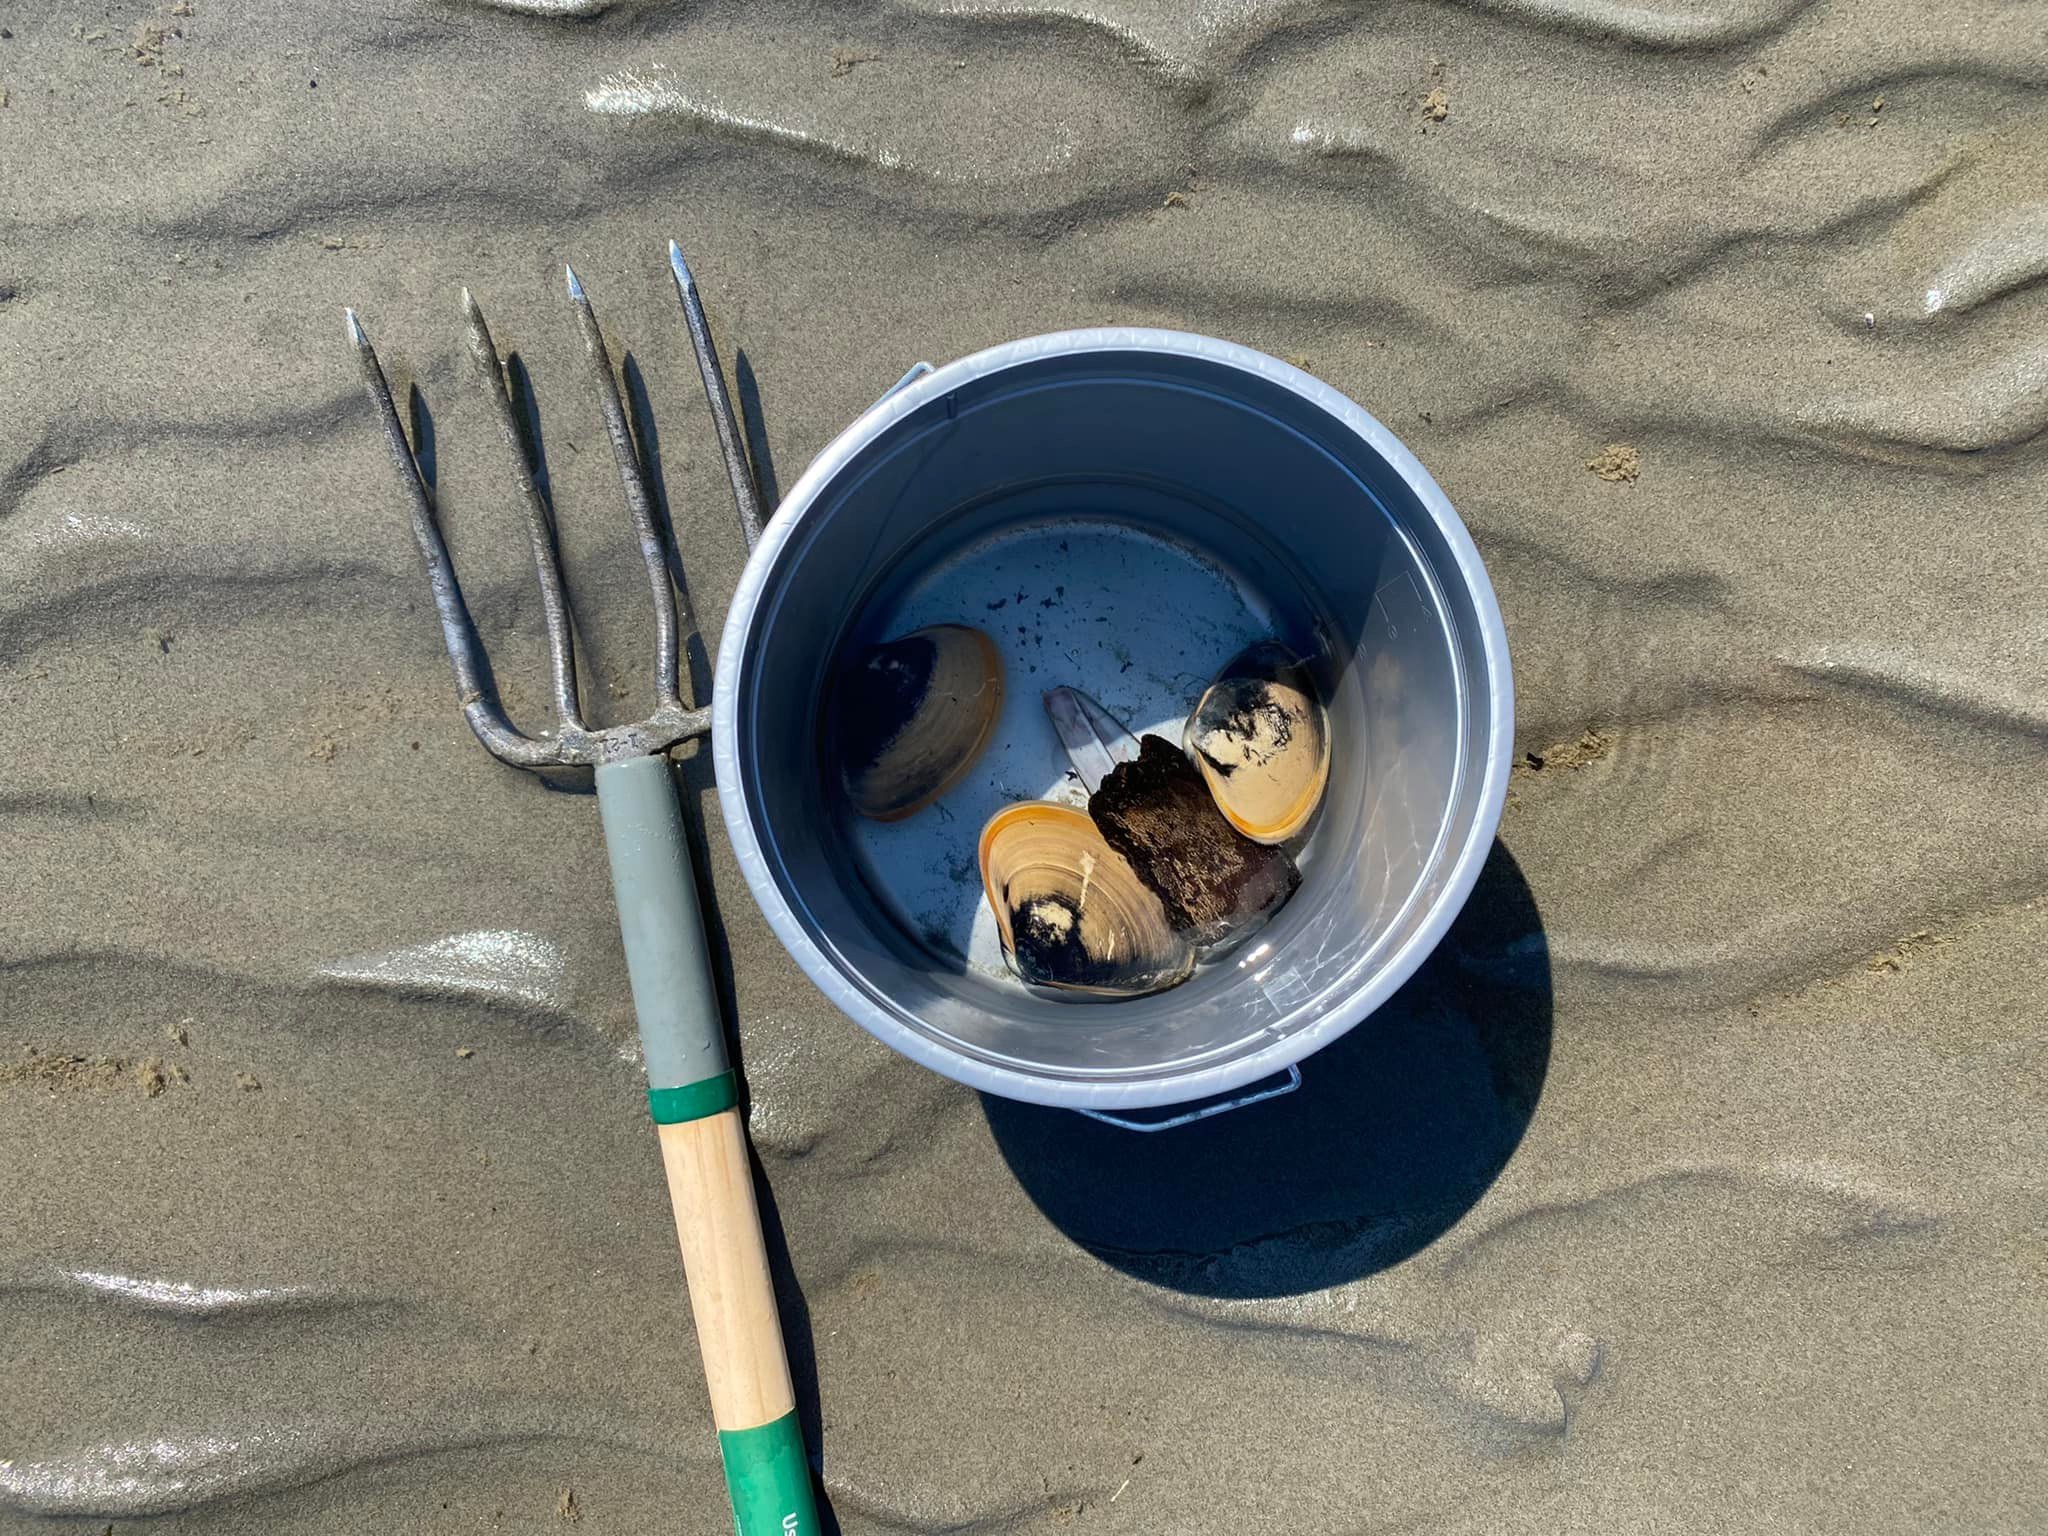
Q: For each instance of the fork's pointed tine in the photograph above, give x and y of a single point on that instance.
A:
(465, 652)
(746, 493)
(547, 568)
(667, 650)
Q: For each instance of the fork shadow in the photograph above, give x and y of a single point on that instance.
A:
(754, 427)
(526, 412)
(1396, 1132)
(647, 437)
(423, 454)
(427, 460)
(696, 791)
(693, 769)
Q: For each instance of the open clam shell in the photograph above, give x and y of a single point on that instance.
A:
(1261, 738)
(1071, 913)
(913, 715)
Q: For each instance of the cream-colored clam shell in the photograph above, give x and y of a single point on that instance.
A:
(1261, 738)
(1071, 913)
(952, 695)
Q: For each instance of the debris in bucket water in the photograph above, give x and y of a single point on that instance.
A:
(1213, 880)
(1261, 738)
(913, 714)
(1071, 913)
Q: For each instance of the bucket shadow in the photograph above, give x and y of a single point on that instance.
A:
(1397, 1130)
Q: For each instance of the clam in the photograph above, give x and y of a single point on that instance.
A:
(1153, 807)
(1261, 738)
(1071, 913)
(913, 715)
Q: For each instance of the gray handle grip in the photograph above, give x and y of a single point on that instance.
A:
(689, 1074)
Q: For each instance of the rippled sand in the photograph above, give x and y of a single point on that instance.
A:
(1696, 1186)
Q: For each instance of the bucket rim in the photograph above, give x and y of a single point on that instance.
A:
(1124, 1092)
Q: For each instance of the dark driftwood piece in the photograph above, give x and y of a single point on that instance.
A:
(1157, 813)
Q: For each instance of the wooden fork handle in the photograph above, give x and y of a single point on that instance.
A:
(694, 1098)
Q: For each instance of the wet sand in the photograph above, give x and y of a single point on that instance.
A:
(1696, 1186)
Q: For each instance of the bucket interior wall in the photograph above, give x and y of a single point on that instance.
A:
(1241, 469)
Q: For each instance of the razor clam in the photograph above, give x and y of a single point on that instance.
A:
(913, 714)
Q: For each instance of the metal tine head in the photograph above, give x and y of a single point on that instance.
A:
(653, 550)
(573, 744)
(458, 633)
(746, 492)
(539, 519)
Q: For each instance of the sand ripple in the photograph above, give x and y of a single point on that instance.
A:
(395, 1253)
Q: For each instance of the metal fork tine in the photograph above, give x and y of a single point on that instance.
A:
(554, 604)
(458, 633)
(746, 493)
(667, 652)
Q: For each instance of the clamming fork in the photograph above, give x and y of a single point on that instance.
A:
(691, 1088)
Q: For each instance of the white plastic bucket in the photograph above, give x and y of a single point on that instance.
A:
(1256, 469)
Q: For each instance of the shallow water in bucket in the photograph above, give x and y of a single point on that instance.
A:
(1139, 621)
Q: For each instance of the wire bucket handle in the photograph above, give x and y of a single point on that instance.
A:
(1256, 1094)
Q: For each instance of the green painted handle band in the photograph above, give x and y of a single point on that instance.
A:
(694, 1101)
(769, 1479)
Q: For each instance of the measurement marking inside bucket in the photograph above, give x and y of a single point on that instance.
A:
(1401, 604)
(1137, 621)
